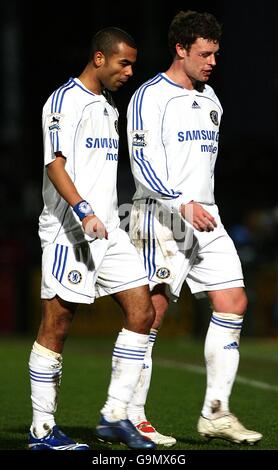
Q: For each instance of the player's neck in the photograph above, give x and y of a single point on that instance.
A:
(90, 81)
(178, 76)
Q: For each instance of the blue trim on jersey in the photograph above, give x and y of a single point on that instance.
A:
(211, 99)
(56, 105)
(145, 167)
(168, 80)
(152, 179)
(58, 96)
(137, 121)
(62, 97)
(84, 89)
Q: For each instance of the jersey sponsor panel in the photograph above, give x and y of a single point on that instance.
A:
(162, 124)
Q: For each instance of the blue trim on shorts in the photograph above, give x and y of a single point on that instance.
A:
(225, 282)
(126, 283)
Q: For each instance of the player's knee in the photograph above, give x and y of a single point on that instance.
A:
(242, 304)
(229, 301)
(160, 303)
(239, 304)
(57, 328)
(148, 316)
(141, 320)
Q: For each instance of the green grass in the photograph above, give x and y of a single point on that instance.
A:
(175, 397)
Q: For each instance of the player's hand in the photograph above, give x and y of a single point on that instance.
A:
(197, 216)
(93, 227)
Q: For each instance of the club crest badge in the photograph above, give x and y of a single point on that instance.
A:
(74, 277)
(163, 273)
(214, 117)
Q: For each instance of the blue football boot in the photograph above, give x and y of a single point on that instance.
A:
(54, 440)
(122, 431)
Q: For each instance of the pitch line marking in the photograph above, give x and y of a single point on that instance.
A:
(201, 370)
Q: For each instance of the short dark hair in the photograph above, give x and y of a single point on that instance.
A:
(189, 25)
(107, 39)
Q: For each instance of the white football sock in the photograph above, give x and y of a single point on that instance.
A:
(45, 367)
(136, 407)
(127, 362)
(222, 358)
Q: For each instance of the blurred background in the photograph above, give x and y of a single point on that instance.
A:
(42, 45)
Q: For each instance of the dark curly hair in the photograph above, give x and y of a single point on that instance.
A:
(189, 25)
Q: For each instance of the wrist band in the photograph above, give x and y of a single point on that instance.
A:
(82, 209)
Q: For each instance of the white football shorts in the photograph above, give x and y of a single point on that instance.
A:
(80, 273)
(174, 252)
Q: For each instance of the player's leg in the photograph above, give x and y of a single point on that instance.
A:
(64, 279)
(127, 361)
(222, 347)
(151, 231)
(217, 271)
(45, 364)
(45, 367)
(136, 408)
(122, 276)
(222, 359)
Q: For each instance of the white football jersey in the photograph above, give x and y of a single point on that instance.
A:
(173, 138)
(84, 128)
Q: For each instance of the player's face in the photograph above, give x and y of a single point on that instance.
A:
(118, 67)
(200, 59)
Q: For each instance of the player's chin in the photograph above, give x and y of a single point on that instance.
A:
(205, 77)
(116, 86)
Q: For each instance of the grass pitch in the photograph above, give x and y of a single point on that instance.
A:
(175, 398)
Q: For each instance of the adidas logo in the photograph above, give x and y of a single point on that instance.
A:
(105, 112)
(232, 345)
(195, 105)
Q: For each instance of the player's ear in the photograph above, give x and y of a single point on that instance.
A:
(99, 58)
(180, 50)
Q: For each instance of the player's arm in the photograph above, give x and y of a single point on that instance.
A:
(61, 180)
